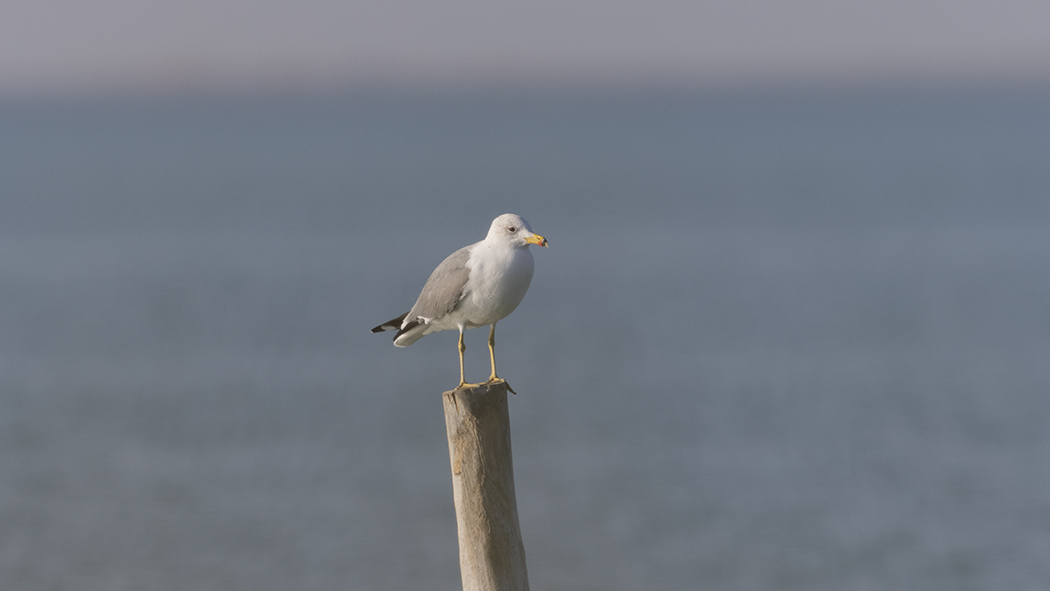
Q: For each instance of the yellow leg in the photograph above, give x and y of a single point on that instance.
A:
(492, 351)
(462, 348)
(492, 358)
(462, 379)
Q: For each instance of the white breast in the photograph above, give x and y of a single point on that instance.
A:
(499, 278)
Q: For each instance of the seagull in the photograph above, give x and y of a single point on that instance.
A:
(475, 286)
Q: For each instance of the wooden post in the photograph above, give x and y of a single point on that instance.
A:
(491, 555)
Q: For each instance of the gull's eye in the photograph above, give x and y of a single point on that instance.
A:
(512, 229)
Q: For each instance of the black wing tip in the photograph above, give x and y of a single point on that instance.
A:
(394, 324)
(407, 328)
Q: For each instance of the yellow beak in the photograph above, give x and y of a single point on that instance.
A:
(537, 240)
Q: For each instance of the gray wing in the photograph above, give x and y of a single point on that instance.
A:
(444, 289)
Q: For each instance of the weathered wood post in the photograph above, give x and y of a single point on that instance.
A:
(491, 555)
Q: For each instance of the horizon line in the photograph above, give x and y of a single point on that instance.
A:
(188, 86)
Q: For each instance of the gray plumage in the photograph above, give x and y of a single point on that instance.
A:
(444, 289)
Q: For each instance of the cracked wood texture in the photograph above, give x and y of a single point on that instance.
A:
(491, 555)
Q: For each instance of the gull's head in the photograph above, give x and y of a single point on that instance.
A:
(513, 229)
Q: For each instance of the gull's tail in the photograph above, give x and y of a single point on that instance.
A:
(410, 333)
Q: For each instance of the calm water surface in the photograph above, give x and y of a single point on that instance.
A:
(785, 342)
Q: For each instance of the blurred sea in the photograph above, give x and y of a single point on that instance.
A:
(791, 341)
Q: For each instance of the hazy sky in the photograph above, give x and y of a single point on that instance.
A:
(71, 45)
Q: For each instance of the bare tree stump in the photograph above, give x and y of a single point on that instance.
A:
(491, 554)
